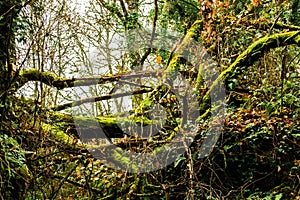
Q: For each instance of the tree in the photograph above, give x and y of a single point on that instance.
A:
(246, 45)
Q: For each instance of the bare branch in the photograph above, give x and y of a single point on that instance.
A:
(100, 98)
(124, 10)
(152, 35)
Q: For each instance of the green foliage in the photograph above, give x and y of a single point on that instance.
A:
(179, 14)
(256, 157)
(295, 12)
(132, 20)
(13, 169)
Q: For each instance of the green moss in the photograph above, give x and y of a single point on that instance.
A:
(174, 65)
(134, 186)
(34, 75)
(172, 135)
(58, 134)
(178, 58)
(253, 52)
(89, 121)
(124, 161)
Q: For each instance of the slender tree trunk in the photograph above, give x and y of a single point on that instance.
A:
(8, 13)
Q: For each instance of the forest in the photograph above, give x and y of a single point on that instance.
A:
(149, 99)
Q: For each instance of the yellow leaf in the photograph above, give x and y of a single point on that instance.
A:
(158, 59)
(278, 169)
(256, 2)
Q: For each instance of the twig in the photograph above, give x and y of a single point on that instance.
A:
(275, 22)
(152, 34)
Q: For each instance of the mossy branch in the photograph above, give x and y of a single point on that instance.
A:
(253, 53)
(178, 55)
(51, 79)
(88, 127)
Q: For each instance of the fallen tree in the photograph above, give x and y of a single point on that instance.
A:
(110, 124)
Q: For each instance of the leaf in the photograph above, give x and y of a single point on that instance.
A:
(178, 160)
(158, 59)
(255, 2)
(278, 196)
(15, 125)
